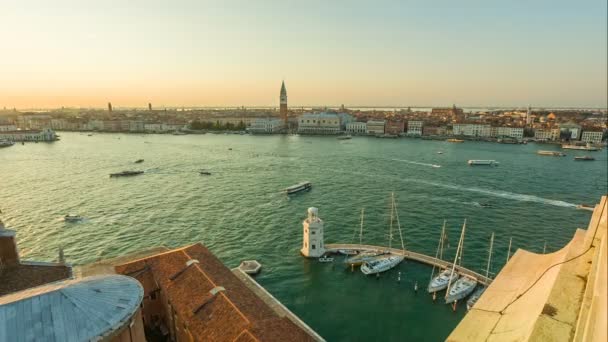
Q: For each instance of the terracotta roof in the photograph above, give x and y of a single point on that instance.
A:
(213, 303)
(24, 276)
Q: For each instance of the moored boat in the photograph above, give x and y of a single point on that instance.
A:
(6, 143)
(364, 257)
(473, 162)
(139, 161)
(461, 289)
(126, 173)
(584, 158)
(587, 147)
(72, 218)
(381, 264)
(441, 281)
(475, 297)
(298, 187)
(345, 137)
(326, 259)
(348, 251)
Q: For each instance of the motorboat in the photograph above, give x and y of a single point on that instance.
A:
(126, 173)
(381, 264)
(298, 187)
(474, 162)
(551, 153)
(72, 218)
(460, 289)
(139, 161)
(586, 147)
(6, 143)
(204, 172)
(475, 297)
(326, 259)
(441, 281)
(345, 137)
(584, 158)
(455, 140)
(439, 152)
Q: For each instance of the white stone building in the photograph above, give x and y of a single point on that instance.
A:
(6, 128)
(376, 127)
(592, 137)
(472, 130)
(266, 126)
(321, 123)
(511, 132)
(29, 135)
(574, 129)
(356, 127)
(312, 242)
(414, 127)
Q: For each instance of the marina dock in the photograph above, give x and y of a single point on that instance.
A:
(419, 257)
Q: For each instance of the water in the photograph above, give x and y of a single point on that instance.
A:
(239, 212)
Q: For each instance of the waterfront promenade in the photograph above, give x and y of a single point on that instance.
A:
(419, 257)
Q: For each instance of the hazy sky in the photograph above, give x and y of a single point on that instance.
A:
(416, 53)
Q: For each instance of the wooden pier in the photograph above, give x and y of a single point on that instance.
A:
(422, 258)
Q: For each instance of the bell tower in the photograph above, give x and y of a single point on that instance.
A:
(312, 244)
(283, 105)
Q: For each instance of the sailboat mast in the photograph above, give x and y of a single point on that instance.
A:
(398, 224)
(442, 240)
(456, 257)
(390, 231)
(439, 252)
(361, 228)
(490, 255)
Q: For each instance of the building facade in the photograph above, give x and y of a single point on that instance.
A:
(394, 127)
(592, 136)
(573, 129)
(472, 130)
(29, 135)
(321, 123)
(414, 127)
(511, 132)
(266, 126)
(375, 127)
(356, 127)
(283, 104)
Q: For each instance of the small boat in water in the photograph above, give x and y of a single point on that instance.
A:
(460, 289)
(6, 143)
(139, 161)
(345, 137)
(348, 251)
(587, 147)
(584, 158)
(126, 173)
(585, 207)
(72, 218)
(298, 187)
(326, 259)
(440, 282)
(364, 257)
(455, 140)
(204, 172)
(551, 153)
(381, 264)
(473, 162)
(439, 152)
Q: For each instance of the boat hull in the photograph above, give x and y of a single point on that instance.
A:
(461, 289)
(381, 265)
(440, 282)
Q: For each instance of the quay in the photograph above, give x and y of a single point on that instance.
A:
(415, 256)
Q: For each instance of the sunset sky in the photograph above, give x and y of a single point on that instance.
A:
(357, 53)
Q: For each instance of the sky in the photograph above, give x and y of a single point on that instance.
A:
(85, 53)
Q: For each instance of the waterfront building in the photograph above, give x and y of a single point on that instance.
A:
(414, 127)
(448, 112)
(191, 296)
(283, 104)
(137, 126)
(394, 127)
(8, 127)
(433, 130)
(266, 126)
(46, 134)
(592, 136)
(574, 129)
(375, 127)
(312, 241)
(34, 121)
(472, 130)
(356, 127)
(102, 308)
(319, 123)
(511, 132)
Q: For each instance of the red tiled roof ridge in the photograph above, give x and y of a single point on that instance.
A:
(246, 331)
(215, 285)
(158, 254)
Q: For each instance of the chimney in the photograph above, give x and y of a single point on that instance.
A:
(110, 107)
(9, 255)
(149, 106)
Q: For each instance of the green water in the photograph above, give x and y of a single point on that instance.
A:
(239, 212)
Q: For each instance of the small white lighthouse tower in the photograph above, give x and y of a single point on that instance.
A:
(312, 242)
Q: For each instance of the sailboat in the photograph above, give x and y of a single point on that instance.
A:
(354, 251)
(480, 290)
(465, 284)
(385, 263)
(441, 280)
(362, 257)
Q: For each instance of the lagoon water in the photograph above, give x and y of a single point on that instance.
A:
(240, 213)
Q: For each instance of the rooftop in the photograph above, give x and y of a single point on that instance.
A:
(74, 310)
(210, 300)
(26, 275)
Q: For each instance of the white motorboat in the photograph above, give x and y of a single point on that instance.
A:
(460, 289)
(72, 218)
(298, 187)
(441, 281)
(587, 147)
(6, 143)
(326, 259)
(381, 264)
(551, 153)
(475, 297)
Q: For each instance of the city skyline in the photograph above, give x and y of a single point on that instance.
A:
(396, 54)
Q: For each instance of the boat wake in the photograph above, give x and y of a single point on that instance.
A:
(416, 163)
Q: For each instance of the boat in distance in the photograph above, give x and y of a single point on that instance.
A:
(455, 140)
(587, 147)
(298, 187)
(473, 162)
(6, 143)
(584, 158)
(345, 137)
(139, 161)
(440, 282)
(126, 173)
(381, 264)
(460, 289)
(72, 218)
(551, 153)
